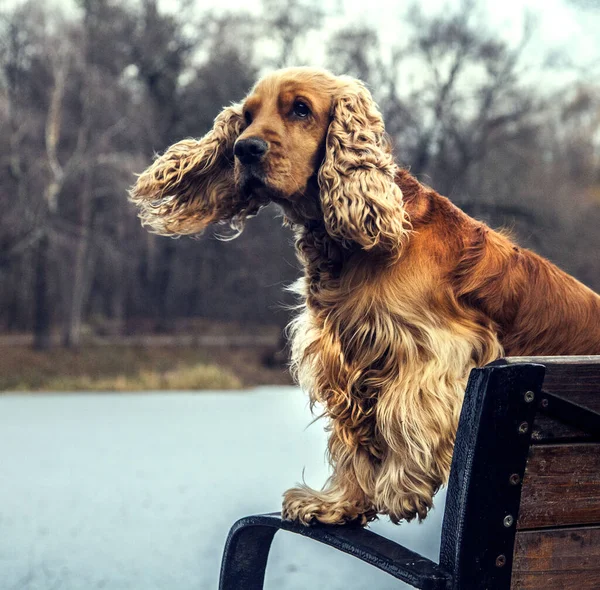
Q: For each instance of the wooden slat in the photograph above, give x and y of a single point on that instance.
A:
(561, 486)
(593, 359)
(547, 429)
(557, 559)
(576, 378)
(579, 383)
(573, 377)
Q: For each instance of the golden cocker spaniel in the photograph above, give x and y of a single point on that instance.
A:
(403, 293)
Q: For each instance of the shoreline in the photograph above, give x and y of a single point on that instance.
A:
(156, 365)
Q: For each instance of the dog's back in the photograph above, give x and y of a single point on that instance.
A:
(537, 308)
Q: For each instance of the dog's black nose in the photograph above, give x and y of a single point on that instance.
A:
(250, 150)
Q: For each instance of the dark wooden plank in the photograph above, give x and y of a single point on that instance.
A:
(576, 382)
(561, 486)
(557, 559)
(576, 378)
(547, 429)
(579, 383)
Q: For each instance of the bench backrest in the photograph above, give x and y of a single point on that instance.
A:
(523, 502)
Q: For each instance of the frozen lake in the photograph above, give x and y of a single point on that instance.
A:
(138, 491)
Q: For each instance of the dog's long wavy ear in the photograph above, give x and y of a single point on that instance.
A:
(191, 185)
(360, 200)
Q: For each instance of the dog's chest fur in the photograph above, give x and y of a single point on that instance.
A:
(370, 343)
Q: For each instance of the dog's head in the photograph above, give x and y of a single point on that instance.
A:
(304, 138)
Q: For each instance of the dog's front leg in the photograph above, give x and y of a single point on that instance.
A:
(346, 495)
(417, 419)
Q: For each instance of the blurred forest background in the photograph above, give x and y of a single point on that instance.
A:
(88, 95)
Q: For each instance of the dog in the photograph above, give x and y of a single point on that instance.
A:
(402, 292)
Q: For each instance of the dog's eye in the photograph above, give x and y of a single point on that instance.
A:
(248, 117)
(301, 109)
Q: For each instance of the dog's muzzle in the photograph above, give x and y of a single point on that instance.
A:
(250, 153)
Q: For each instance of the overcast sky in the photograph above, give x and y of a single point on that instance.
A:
(572, 25)
(560, 20)
(569, 26)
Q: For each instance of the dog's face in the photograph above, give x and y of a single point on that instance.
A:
(286, 118)
(310, 141)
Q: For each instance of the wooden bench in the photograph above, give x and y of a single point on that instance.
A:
(523, 503)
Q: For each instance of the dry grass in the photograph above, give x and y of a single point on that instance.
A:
(197, 377)
(133, 368)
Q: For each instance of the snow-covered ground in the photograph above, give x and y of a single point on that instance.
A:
(138, 491)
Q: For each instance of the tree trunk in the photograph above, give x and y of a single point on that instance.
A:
(120, 283)
(42, 330)
(163, 282)
(81, 269)
(81, 274)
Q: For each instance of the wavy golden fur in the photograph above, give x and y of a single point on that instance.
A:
(403, 293)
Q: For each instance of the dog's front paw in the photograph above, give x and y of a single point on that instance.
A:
(405, 506)
(307, 506)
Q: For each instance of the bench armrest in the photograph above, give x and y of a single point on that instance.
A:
(249, 541)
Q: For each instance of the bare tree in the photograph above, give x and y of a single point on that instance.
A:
(86, 101)
(288, 24)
